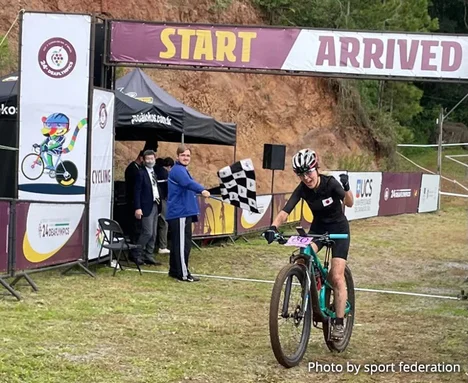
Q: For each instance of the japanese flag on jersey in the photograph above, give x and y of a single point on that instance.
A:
(238, 185)
(327, 202)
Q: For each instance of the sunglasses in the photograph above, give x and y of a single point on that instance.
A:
(308, 173)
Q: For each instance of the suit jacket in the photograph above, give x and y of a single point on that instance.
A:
(143, 198)
(130, 177)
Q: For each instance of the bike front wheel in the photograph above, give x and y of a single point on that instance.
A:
(341, 345)
(32, 166)
(289, 323)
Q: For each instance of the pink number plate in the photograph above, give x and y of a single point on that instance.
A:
(299, 241)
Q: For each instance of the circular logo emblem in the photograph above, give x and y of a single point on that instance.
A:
(102, 116)
(57, 57)
(386, 194)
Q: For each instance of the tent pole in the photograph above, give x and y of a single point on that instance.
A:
(182, 138)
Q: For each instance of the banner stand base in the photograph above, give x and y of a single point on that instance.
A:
(81, 266)
(195, 244)
(28, 279)
(10, 289)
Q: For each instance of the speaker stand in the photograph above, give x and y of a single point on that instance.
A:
(272, 181)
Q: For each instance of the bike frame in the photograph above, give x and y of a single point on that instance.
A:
(319, 308)
(57, 162)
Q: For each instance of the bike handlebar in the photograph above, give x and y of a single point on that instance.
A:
(282, 239)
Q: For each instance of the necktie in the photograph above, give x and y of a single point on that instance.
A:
(153, 180)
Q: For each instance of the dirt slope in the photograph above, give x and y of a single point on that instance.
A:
(294, 111)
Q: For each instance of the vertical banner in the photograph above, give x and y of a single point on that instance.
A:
(53, 107)
(366, 191)
(306, 216)
(399, 193)
(48, 234)
(216, 218)
(429, 194)
(4, 226)
(247, 221)
(102, 138)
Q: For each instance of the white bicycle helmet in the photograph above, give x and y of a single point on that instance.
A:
(304, 160)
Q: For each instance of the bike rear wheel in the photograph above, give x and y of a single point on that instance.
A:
(341, 345)
(288, 310)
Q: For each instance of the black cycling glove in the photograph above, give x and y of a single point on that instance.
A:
(270, 234)
(344, 181)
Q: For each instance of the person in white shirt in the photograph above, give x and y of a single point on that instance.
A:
(147, 202)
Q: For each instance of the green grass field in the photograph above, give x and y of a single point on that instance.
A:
(149, 328)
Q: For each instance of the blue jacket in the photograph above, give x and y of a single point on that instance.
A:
(143, 198)
(182, 196)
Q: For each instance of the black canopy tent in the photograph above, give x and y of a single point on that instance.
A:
(8, 136)
(155, 112)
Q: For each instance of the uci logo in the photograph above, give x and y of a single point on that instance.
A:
(363, 188)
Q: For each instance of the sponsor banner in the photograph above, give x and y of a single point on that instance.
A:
(248, 221)
(366, 191)
(48, 234)
(399, 193)
(216, 218)
(279, 201)
(4, 229)
(291, 49)
(53, 107)
(429, 193)
(8, 111)
(306, 215)
(102, 138)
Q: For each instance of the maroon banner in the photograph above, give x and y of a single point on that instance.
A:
(247, 221)
(4, 226)
(399, 193)
(48, 234)
(207, 45)
(216, 218)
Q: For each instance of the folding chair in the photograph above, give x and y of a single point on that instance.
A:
(121, 245)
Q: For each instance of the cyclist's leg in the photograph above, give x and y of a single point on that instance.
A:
(337, 278)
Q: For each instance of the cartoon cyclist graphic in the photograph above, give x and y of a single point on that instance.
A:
(54, 129)
(47, 156)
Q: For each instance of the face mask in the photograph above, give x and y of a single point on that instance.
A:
(149, 164)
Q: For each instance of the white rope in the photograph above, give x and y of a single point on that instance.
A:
(431, 145)
(458, 162)
(12, 25)
(271, 282)
(414, 163)
(454, 194)
(427, 170)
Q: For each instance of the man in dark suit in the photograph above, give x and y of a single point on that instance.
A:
(132, 225)
(147, 202)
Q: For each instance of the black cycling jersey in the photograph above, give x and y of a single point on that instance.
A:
(325, 203)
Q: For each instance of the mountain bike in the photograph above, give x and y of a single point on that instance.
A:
(314, 302)
(33, 167)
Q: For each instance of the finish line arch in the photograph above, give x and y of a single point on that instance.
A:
(398, 56)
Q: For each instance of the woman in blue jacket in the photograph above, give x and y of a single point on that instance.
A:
(182, 210)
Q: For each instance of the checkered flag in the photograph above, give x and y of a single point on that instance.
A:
(238, 186)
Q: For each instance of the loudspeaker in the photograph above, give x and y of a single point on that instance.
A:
(274, 156)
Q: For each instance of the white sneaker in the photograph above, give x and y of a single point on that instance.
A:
(163, 251)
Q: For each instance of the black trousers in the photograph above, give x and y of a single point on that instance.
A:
(181, 244)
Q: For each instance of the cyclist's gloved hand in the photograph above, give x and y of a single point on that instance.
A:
(270, 234)
(344, 179)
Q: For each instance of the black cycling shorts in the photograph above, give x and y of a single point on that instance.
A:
(340, 248)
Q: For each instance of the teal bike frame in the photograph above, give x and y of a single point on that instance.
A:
(313, 262)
